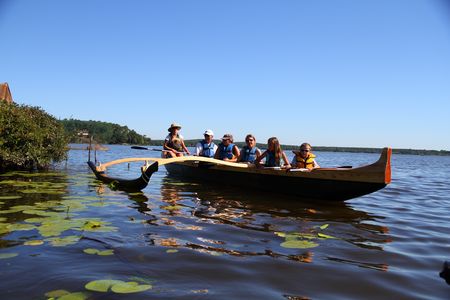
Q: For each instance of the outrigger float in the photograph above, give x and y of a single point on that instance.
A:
(335, 184)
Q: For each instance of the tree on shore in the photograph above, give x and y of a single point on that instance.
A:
(30, 138)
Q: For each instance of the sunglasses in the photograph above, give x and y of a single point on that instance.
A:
(250, 140)
(304, 150)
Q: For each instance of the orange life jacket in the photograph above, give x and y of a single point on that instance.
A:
(307, 163)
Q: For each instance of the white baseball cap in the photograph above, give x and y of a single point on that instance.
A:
(209, 132)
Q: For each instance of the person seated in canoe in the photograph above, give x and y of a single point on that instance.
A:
(206, 147)
(273, 155)
(227, 150)
(174, 143)
(249, 152)
(304, 158)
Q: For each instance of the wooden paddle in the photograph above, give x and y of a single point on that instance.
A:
(153, 149)
(165, 161)
(141, 148)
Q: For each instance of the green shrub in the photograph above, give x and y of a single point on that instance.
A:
(29, 138)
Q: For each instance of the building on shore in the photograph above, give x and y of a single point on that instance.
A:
(5, 93)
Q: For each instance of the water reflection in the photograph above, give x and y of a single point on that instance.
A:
(262, 224)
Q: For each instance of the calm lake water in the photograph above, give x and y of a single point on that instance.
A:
(63, 230)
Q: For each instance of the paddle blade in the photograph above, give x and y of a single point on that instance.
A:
(139, 148)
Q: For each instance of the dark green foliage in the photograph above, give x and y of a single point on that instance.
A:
(103, 132)
(29, 138)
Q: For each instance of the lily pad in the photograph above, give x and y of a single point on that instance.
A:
(97, 226)
(9, 211)
(324, 226)
(101, 285)
(7, 255)
(10, 197)
(65, 241)
(106, 252)
(3, 228)
(36, 220)
(130, 287)
(90, 251)
(171, 251)
(75, 296)
(34, 243)
(38, 212)
(20, 227)
(56, 293)
(42, 191)
(299, 244)
(94, 251)
(91, 224)
(325, 236)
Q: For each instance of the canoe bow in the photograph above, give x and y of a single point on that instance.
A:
(126, 184)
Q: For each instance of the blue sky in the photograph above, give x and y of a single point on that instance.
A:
(330, 72)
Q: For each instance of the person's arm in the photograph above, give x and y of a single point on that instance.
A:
(286, 161)
(236, 154)
(258, 159)
(198, 149)
(217, 154)
(239, 159)
(258, 153)
(316, 165)
(294, 161)
(166, 147)
(184, 147)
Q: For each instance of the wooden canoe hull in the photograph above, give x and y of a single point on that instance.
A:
(126, 184)
(325, 184)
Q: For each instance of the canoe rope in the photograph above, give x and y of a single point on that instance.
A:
(143, 169)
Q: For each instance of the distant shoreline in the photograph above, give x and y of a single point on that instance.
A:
(192, 143)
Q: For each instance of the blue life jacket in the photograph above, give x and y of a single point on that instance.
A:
(271, 161)
(225, 151)
(208, 149)
(248, 155)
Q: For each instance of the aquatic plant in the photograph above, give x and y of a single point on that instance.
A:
(304, 240)
(116, 286)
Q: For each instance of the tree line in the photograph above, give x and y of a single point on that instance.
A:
(192, 143)
(102, 132)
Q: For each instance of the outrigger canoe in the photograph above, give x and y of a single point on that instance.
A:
(336, 184)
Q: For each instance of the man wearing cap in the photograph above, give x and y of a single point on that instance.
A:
(227, 150)
(174, 143)
(206, 147)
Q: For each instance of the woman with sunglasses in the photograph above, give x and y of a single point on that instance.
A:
(304, 158)
(249, 153)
